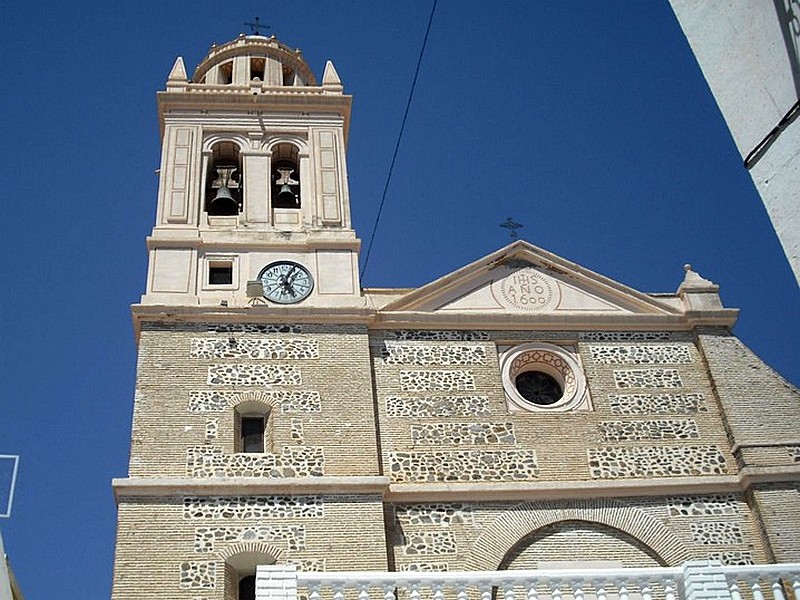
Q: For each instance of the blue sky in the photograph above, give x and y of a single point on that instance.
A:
(588, 122)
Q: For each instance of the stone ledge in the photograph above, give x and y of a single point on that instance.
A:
(752, 475)
(566, 321)
(455, 492)
(169, 313)
(561, 490)
(782, 443)
(251, 486)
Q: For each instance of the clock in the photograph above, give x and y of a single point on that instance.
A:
(286, 282)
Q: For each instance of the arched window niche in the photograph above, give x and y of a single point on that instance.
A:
(223, 196)
(252, 428)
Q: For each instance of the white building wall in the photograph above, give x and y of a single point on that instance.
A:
(749, 51)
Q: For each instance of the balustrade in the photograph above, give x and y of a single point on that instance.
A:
(694, 580)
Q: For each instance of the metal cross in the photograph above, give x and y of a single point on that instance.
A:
(512, 227)
(256, 25)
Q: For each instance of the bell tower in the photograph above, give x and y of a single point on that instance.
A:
(253, 184)
(253, 438)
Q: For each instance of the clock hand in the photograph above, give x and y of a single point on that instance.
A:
(284, 280)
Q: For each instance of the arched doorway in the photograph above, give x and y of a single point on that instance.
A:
(606, 519)
(579, 545)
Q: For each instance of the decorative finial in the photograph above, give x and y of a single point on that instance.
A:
(512, 227)
(694, 281)
(256, 25)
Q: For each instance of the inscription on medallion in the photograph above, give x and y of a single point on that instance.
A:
(527, 289)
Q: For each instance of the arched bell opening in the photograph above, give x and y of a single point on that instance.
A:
(224, 184)
(225, 73)
(285, 176)
(258, 67)
(289, 76)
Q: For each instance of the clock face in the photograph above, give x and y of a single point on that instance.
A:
(286, 282)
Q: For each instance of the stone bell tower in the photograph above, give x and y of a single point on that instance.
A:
(253, 437)
(253, 173)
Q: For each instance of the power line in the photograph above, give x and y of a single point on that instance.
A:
(397, 144)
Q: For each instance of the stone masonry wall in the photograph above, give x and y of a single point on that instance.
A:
(779, 509)
(444, 415)
(762, 409)
(313, 380)
(177, 547)
(539, 534)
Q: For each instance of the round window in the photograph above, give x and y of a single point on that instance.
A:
(540, 376)
(538, 388)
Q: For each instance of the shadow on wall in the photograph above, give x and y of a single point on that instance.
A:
(788, 13)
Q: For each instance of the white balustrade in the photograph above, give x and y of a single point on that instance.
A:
(695, 580)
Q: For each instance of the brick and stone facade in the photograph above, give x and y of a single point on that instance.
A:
(397, 434)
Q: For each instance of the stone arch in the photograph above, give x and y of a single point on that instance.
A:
(299, 142)
(502, 535)
(243, 548)
(215, 138)
(260, 397)
(240, 562)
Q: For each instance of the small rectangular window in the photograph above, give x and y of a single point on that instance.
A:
(253, 434)
(220, 274)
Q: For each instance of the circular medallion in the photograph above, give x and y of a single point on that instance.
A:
(540, 376)
(286, 282)
(527, 289)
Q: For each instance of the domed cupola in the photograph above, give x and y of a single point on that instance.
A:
(254, 60)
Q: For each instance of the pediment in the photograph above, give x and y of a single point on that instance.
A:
(524, 279)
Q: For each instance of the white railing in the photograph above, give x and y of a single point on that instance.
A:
(695, 580)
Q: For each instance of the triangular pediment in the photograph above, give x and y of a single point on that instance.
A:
(524, 279)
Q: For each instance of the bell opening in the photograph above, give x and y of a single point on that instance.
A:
(285, 182)
(224, 190)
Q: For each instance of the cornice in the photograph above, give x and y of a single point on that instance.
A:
(133, 487)
(560, 490)
(203, 97)
(251, 241)
(378, 319)
(164, 313)
(568, 321)
(246, 314)
(239, 98)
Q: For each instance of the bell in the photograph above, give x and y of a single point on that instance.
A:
(286, 195)
(223, 203)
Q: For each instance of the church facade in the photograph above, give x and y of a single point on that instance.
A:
(500, 417)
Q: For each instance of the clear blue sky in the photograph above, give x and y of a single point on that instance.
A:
(588, 122)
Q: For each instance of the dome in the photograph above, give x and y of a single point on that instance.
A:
(251, 58)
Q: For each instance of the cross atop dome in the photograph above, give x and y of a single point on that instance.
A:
(256, 25)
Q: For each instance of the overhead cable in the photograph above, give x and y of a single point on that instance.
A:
(397, 144)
